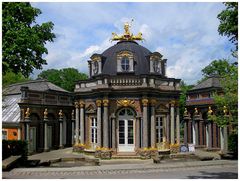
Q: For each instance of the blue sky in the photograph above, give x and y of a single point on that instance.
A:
(184, 33)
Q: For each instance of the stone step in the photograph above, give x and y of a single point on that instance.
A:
(125, 157)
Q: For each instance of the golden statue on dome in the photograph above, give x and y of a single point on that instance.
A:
(128, 36)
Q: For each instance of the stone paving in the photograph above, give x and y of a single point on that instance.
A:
(112, 167)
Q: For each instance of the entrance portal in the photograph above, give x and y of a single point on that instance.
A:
(126, 127)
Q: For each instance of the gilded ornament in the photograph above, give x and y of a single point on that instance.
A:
(125, 103)
(225, 110)
(60, 114)
(45, 114)
(127, 34)
(81, 104)
(196, 111)
(105, 102)
(210, 110)
(76, 104)
(144, 102)
(153, 102)
(98, 102)
(27, 113)
(172, 102)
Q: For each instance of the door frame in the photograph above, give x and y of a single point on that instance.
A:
(126, 118)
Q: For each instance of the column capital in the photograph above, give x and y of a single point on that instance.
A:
(153, 102)
(105, 102)
(81, 103)
(145, 102)
(76, 105)
(172, 103)
(99, 103)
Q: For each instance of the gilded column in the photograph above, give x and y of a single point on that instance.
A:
(153, 123)
(177, 125)
(145, 122)
(81, 105)
(172, 122)
(77, 123)
(99, 122)
(105, 123)
(45, 130)
(60, 129)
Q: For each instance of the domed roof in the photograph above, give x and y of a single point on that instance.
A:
(140, 55)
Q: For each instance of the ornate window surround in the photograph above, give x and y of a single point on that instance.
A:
(154, 58)
(120, 56)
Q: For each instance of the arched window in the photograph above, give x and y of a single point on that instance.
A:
(95, 67)
(125, 63)
(156, 66)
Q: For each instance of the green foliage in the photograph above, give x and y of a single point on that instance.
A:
(183, 97)
(24, 40)
(12, 78)
(64, 78)
(229, 99)
(229, 22)
(14, 147)
(217, 67)
(233, 143)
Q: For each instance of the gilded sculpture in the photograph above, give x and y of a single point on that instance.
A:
(45, 114)
(60, 114)
(210, 110)
(126, 103)
(127, 34)
(27, 113)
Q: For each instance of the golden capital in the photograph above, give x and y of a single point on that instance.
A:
(172, 102)
(196, 111)
(105, 102)
(81, 103)
(45, 114)
(98, 102)
(185, 112)
(27, 113)
(225, 110)
(153, 102)
(76, 105)
(145, 102)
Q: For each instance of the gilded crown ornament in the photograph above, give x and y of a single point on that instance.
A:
(127, 36)
(27, 113)
(126, 103)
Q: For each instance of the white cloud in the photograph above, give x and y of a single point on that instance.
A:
(185, 33)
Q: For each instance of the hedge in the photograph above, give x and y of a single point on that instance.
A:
(14, 147)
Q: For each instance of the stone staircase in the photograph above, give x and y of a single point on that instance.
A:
(126, 155)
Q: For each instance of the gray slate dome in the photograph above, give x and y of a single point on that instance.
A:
(141, 60)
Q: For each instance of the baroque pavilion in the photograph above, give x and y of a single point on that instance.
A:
(127, 103)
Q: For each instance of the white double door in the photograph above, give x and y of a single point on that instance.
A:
(126, 135)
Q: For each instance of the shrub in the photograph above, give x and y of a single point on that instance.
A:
(14, 147)
(233, 143)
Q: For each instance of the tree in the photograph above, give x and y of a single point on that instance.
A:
(64, 78)
(11, 78)
(24, 40)
(217, 67)
(229, 22)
